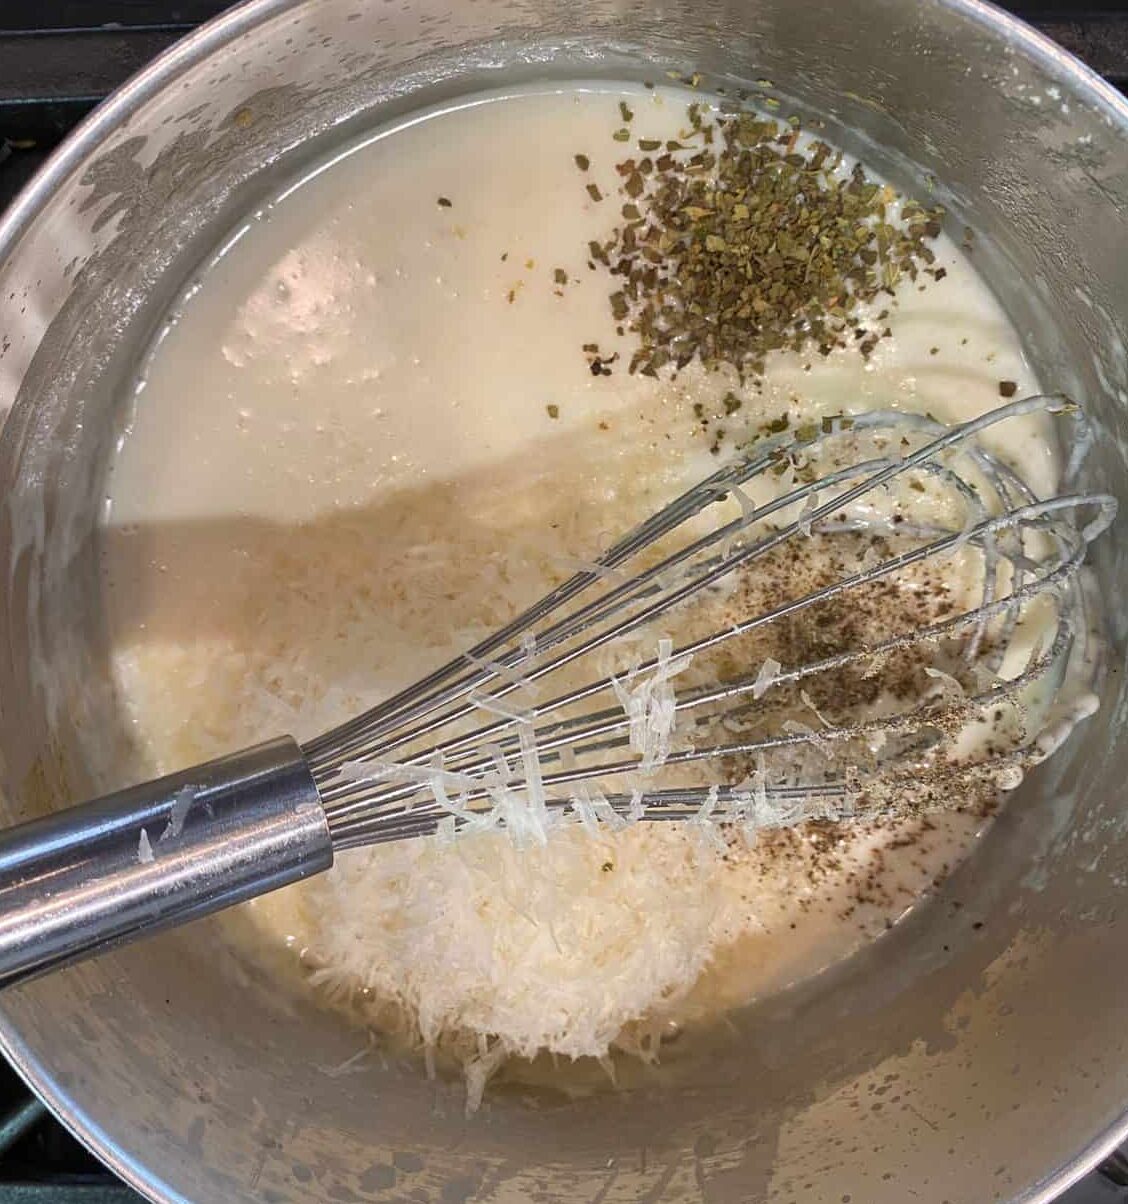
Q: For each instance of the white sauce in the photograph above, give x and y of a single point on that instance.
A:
(341, 469)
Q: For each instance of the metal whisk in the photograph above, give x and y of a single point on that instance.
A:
(862, 616)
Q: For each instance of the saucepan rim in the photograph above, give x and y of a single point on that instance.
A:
(108, 118)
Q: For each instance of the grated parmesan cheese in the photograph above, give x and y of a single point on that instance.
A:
(766, 678)
(651, 706)
(555, 946)
(805, 515)
(181, 804)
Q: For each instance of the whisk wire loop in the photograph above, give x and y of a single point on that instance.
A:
(442, 749)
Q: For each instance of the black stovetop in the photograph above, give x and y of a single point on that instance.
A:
(58, 59)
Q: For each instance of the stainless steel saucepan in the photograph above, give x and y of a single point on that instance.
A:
(978, 1052)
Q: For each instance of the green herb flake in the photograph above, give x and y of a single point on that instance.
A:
(740, 240)
(621, 135)
(594, 193)
(553, 411)
(445, 202)
(582, 162)
(625, 111)
(560, 276)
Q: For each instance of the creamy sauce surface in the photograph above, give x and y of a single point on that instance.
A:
(368, 435)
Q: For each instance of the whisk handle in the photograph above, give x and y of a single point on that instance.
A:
(156, 856)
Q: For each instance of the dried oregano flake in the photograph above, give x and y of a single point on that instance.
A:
(736, 243)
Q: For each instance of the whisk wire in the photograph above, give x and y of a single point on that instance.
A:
(611, 720)
(376, 772)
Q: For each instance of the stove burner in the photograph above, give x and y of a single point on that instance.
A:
(58, 59)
